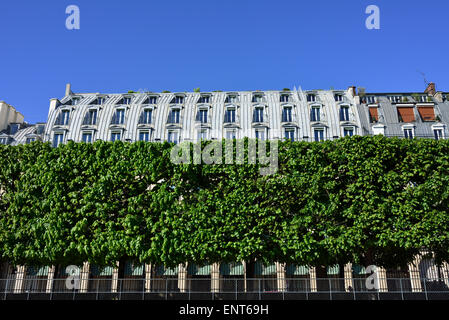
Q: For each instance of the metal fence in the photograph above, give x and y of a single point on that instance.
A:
(225, 288)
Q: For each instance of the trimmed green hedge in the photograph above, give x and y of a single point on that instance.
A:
(367, 200)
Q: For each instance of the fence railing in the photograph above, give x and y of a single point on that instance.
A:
(230, 288)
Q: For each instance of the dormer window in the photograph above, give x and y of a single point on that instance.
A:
(257, 98)
(116, 136)
(290, 134)
(284, 97)
(344, 113)
(151, 100)
(311, 97)
(408, 133)
(99, 101)
(338, 97)
(202, 134)
(287, 114)
(315, 113)
(87, 137)
(348, 132)
(90, 118)
(229, 115)
(370, 99)
(406, 114)
(173, 137)
(201, 116)
(63, 118)
(395, 99)
(438, 133)
(127, 100)
(3, 140)
(260, 134)
(204, 99)
(145, 116)
(231, 99)
(119, 117)
(258, 115)
(30, 140)
(173, 116)
(177, 100)
(144, 135)
(75, 101)
(373, 115)
(58, 139)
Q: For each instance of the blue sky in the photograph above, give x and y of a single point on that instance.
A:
(217, 45)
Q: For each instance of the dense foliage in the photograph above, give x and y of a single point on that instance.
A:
(369, 200)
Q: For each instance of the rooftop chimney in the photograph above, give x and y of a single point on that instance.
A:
(68, 89)
(430, 89)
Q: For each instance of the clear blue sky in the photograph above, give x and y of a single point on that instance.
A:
(217, 45)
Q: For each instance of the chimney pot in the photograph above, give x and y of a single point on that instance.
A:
(430, 89)
(68, 89)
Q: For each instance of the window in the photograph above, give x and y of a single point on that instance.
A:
(284, 97)
(257, 98)
(90, 118)
(3, 140)
(373, 115)
(29, 140)
(315, 114)
(177, 100)
(370, 99)
(202, 116)
(395, 99)
(258, 115)
(260, 134)
(406, 114)
(145, 116)
(426, 113)
(75, 101)
(173, 137)
(204, 99)
(287, 114)
(438, 133)
(290, 134)
(57, 139)
(152, 100)
(229, 115)
(231, 134)
(319, 134)
(202, 134)
(119, 117)
(344, 113)
(338, 97)
(115, 136)
(311, 98)
(231, 99)
(144, 136)
(408, 133)
(87, 137)
(63, 118)
(127, 100)
(348, 132)
(173, 116)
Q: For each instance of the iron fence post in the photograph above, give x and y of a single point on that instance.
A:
(120, 289)
(166, 289)
(402, 293)
(235, 280)
(259, 290)
(6, 288)
(330, 288)
(425, 288)
(143, 290)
